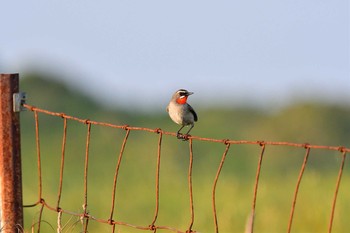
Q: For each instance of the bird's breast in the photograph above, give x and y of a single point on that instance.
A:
(180, 114)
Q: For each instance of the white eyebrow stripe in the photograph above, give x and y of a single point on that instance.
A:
(182, 91)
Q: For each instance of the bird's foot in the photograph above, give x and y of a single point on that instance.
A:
(185, 137)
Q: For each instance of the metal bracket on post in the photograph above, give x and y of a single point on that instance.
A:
(18, 100)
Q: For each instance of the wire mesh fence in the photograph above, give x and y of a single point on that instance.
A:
(85, 217)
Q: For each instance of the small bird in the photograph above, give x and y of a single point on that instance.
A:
(181, 112)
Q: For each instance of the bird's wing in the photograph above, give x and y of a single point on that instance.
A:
(193, 112)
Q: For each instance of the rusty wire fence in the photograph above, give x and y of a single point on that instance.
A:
(86, 217)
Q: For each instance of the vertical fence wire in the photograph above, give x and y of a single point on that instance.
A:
(37, 135)
(59, 222)
(38, 153)
(62, 162)
(85, 217)
(40, 216)
(152, 226)
(116, 175)
(190, 186)
(336, 191)
(250, 224)
(297, 188)
(214, 186)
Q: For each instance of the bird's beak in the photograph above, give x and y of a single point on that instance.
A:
(189, 93)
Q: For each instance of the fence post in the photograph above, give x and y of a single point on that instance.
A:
(11, 210)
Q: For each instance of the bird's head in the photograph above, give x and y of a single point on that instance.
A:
(181, 96)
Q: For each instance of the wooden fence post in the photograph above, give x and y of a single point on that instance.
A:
(11, 209)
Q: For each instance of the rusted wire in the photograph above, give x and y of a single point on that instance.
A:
(59, 222)
(40, 216)
(297, 188)
(214, 186)
(38, 153)
(262, 144)
(190, 186)
(85, 216)
(62, 161)
(301, 145)
(86, 166)
(152, 227)
(116, 174)
(336, 190)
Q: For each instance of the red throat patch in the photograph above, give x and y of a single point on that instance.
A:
(181, 100)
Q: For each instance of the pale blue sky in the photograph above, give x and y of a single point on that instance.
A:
(137, 53)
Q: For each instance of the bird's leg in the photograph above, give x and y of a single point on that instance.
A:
(190, 128)
(179, 135)
(185, 136)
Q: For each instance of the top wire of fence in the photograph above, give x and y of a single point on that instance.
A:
(86, 217)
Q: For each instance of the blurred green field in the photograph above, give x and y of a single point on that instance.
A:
(314, 123)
